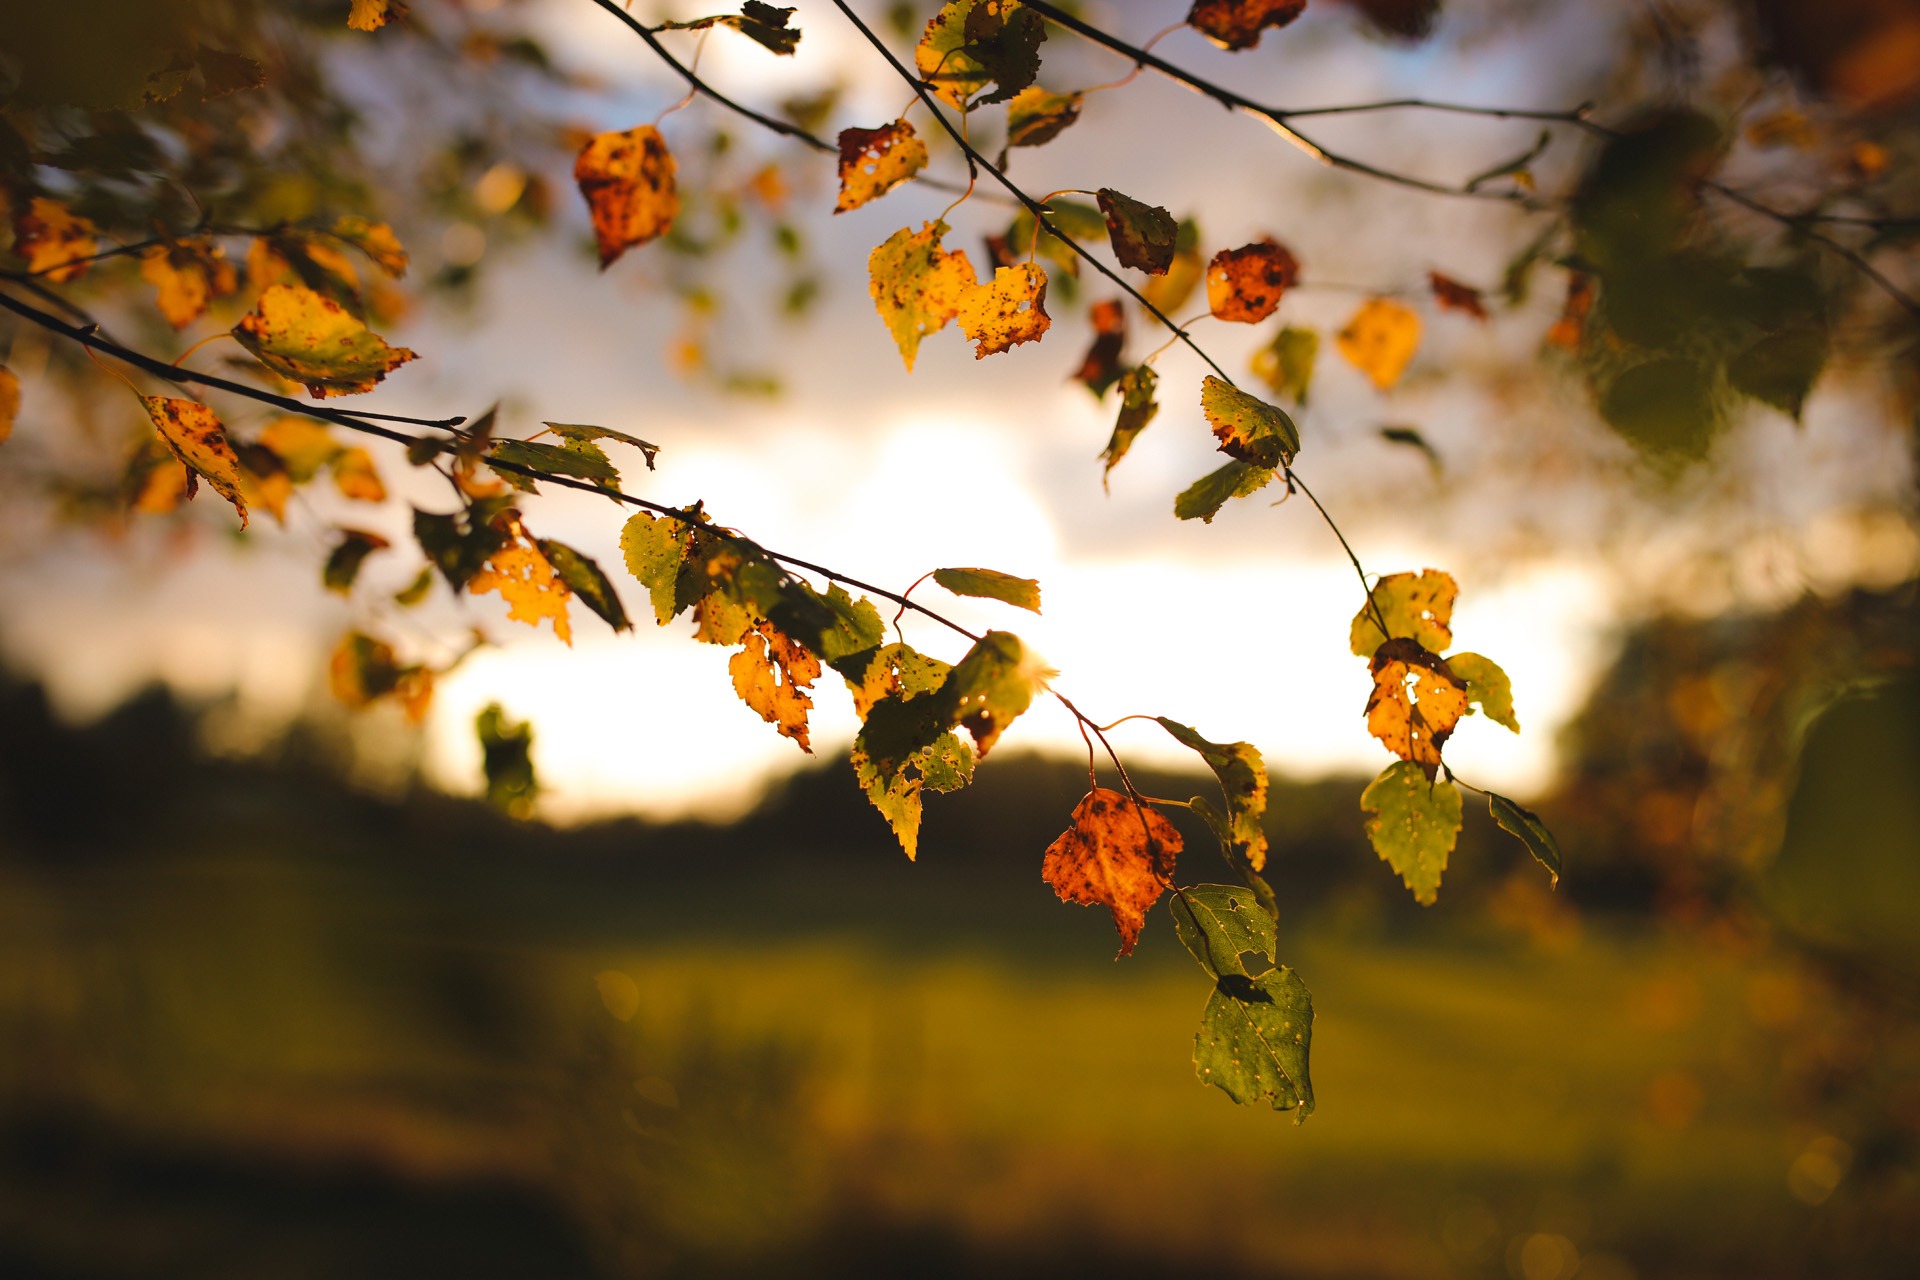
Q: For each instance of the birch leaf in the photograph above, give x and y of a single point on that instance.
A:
(1118, 854)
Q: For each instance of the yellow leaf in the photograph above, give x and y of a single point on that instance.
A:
(185, 276)
(303, 445)
(1011, 310)
(371, 15)
(1118, 854)
(9, 400)
(315, 341)
(376, 240)
(264, 481)
(54, 242)
(782, 702)
(628, 181)
(1415, 703)
(917, 286)
(354, 474)
(874, 161)
(304, 261)
(1380, 340)
(1417, 606)
(155, 482)
(527, 582)
(196, 437)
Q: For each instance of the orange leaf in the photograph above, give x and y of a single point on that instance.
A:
(1415, 703)
(527, 582)
(9, 400)
(1011, 310)
(627, 179)
(354, 475)
(1237, 24)
(874, 161)
(196, 437)
(54, 242)
(185, 276)
(1454, 296)
(1101, 367)
(1566, 331)
(1118, 854)
(1380, 340)
(1245, 284)
(371, 15)
(782, 703)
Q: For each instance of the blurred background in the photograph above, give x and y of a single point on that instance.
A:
(279, 996)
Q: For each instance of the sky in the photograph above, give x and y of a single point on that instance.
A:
(1237, 628)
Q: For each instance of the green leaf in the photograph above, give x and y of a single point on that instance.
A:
(655, 548)
(416, 591)
(1243, 781)
(1137, 409)
(1412, 439)
(945, 764)
(1525, 824)
(1218, 923)
(1414, 825)
(990, 687)
(851, 626)
(1036, 117)
(584, 579)
(1286, 363)
(970, 44)
(991, 584)
(458, 544)
(579, 433)
(1665, 406)
(1203, 498)
(1235, 854)
(1417, 606)
(1487, 687)
(1247, 427)
(1254, 1040)
(759, 22)
(1781, 368)
(506, 757)
(583, 460)
(1143, 235)
(343, 563)
(1074, 219)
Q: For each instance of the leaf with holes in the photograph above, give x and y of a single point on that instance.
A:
(991, 686)
(1011, 310)
(1237, 24)
(197, 438)
(1487, 687)
(991, 584)
(627, 179)
(1415, 703)
(313, 340)
(1418, 606)
(875, 161)
(1380, 340)
(1118, 854)
(1256, 1033)
(771, 674)
(1247, 427)
(1413, 824)
(917, 286)
(655, 548)
(1246, 284)
(1142, 235)
(526, 580)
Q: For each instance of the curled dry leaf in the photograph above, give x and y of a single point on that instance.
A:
(1415, 703)
(196, 437)
(1246, 284)
(313, 340)
(628, 181)
(55, 242)
(1380, 340)
(874, 161)
(771, 674)
(917, 285)
(1454, 296)
(1013, 309)
(1118, 854)
(1237, 24)
(185, 276)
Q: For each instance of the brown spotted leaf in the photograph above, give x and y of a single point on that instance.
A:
(1247, 427)
(1237, 24)
(196, 437)
(313, 340)
(1246, 284)
(875, 161)
(1415, 703)
(1013, 309)
(1380, 340)
(1143, 235)
(628, 181)
(1118, 854)
(1454, 296)
(55, 242)
(185, 276)
(1418, 606)
(526, 580)
(771, 674)
(917, 286)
